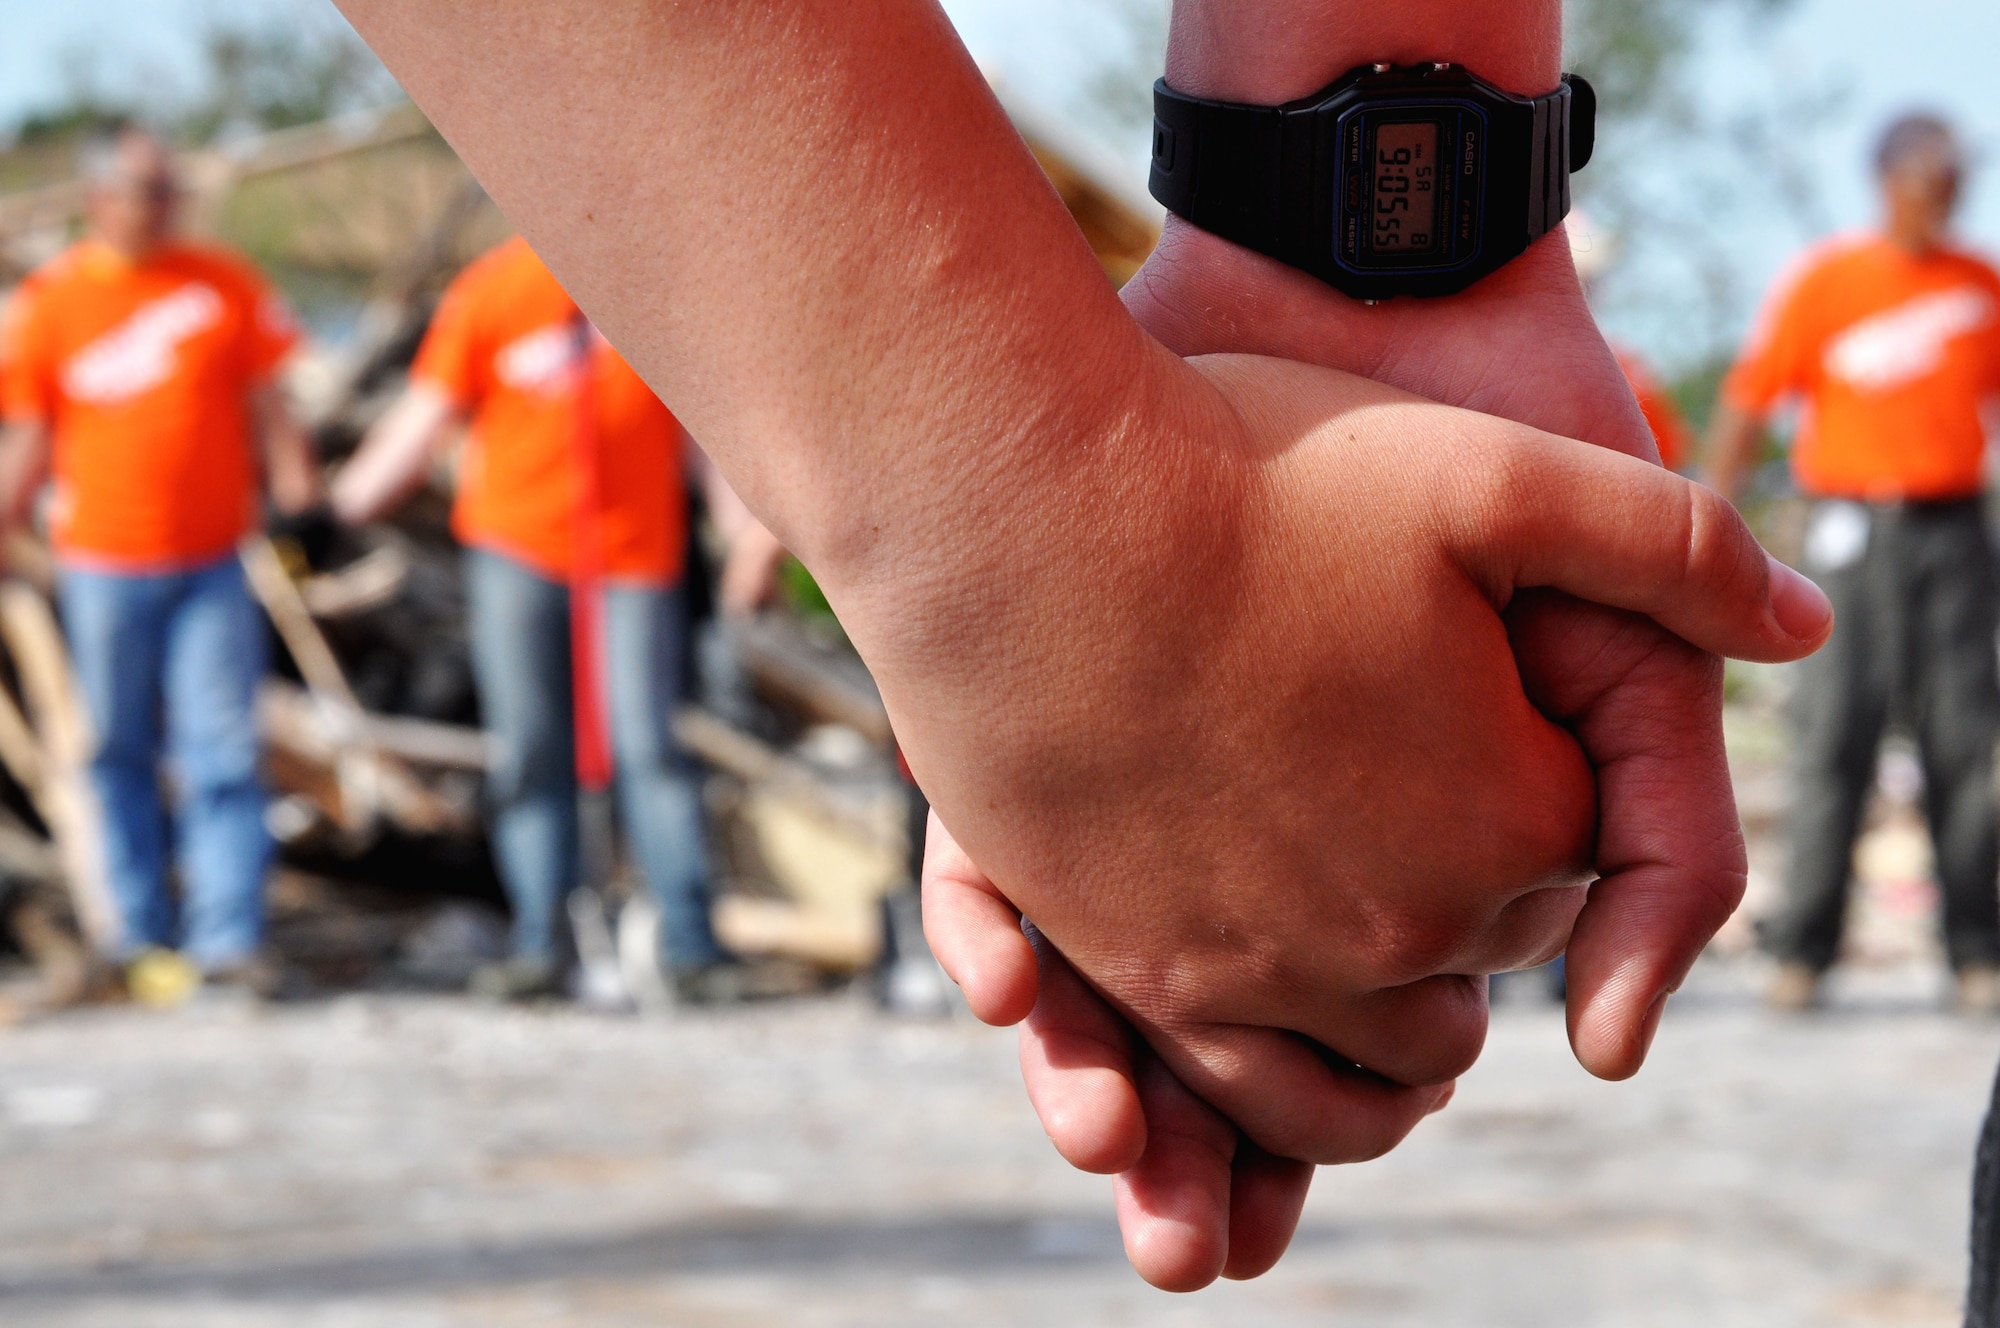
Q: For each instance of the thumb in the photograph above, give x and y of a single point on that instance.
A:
(1616, 530)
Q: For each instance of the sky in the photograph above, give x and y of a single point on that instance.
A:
(1862, 59)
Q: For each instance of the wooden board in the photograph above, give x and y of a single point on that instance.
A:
(63, 794)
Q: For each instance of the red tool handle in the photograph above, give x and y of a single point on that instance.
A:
(586, 578)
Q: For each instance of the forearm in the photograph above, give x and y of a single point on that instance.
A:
(1732, 438)
(24, 456)
(395, 456)
(750, 575)
(291, 468)
(1268, 51)
(1520, 344)
(726, 509)
(812, 230)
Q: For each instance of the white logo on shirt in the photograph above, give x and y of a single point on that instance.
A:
(140, 353)
(539, 361)
(1903, 344)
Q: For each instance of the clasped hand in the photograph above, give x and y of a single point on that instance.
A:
(1415, 678)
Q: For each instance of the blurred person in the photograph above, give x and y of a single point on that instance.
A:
(1892, 342)
(140, 375)
(570, 491)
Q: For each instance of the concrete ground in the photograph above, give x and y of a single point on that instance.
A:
(402, 1160)
(398, 1160)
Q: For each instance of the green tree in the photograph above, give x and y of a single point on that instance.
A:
(293, 63)
(287, 69)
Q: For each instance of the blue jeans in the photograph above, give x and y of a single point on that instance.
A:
(169, 664)
(521, 659)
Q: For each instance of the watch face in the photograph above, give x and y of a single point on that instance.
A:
(1403, 213)
(1411, 178)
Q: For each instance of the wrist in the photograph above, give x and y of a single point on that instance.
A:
(1056, 414)
(1206, 295)
(1268, 53)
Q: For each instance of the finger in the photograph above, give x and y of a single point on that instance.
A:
(1266, 1196)
(1614, 530)
(1647, 709)
(1530, 930)
(974, 932)
(1671, 852)
(1293, 1098)
(1076, 1060)
(1174, 1205)
(1418, 1033)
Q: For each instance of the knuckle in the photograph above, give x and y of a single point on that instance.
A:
(1723, 557)
(1362, 1135)
(1396, 941)
(1455, 1033)
(1412, 949)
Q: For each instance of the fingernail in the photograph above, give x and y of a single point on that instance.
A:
(1801, 608)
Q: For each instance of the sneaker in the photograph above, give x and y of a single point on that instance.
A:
(162, 978)
(1978, 992)
(258, 976)
(1794, 990)
(917, 987)
(514, 980)
(724, 982)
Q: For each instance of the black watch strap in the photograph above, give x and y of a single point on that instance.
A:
(1246, 173)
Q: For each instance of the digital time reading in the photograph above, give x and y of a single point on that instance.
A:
(1406, 187)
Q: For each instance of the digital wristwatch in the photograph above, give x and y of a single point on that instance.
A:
(1392, 180)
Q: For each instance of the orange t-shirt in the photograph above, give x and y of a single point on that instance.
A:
(1894, 355)
(502, 346)
(142, 371)
(1663, 417)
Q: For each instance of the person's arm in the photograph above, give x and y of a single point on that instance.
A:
(1521, 344)
(750, 195)
(27, 402)
(397, 454)
(1732, 448)
(1271, 53)
(1154, 635)
(749, 577)
(291, 468)
(24, 464)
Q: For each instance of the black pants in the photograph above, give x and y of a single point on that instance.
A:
(1982, 1299)
(1914, 594)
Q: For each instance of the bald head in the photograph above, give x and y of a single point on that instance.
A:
(132, 191)
(1920, 166)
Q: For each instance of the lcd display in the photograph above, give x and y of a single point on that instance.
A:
(1405, 209)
